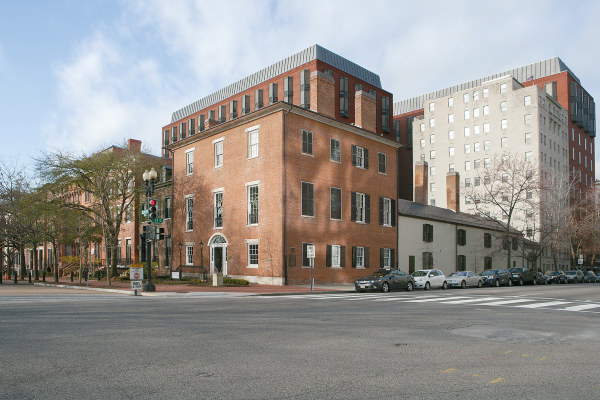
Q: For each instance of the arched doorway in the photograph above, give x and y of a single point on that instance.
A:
(218, 254)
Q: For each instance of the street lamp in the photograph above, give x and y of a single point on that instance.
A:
(149, 181)
(201, 247)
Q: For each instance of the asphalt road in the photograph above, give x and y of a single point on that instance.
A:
(539, 342)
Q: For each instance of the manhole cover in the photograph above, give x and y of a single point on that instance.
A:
(205, 374)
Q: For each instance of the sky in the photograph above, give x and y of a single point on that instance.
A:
(79, 76)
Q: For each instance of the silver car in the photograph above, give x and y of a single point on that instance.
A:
(463, 279)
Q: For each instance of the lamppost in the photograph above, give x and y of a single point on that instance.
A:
(201, 247)
(149, 181)
(180, 247)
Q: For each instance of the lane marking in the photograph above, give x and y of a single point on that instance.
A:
(434, 299)
(540, 305)
(503, 302)
(581, 307)
(524, 355)
(476, 375)
(497, 380)
(473, 300)
(543, 358)
(448, 370)
(508, 352)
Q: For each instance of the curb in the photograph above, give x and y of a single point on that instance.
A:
(129, 292)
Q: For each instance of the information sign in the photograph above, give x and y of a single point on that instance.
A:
(157, 220)
(136, 285)
(310, 251)
(136, 273)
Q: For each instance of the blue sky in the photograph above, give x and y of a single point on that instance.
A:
(83, 75)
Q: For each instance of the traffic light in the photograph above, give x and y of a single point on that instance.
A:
(160, 233)
(152, 209)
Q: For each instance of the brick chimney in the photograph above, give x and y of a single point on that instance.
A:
(421, 182)
(322, 93)
(134, 145)
(365, 110)
(453, 191)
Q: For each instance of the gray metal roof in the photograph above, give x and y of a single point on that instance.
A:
(293, 61)
(536, 70)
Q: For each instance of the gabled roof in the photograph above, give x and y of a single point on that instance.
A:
(315, 52)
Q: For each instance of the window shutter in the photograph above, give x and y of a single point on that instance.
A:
(367, 208)
(353, 206)
(381, 211)
(353, 256)
(392, 258)
(424, 232)
(380, 258)
(366, 153)
(366, 256)
(328, 262)
(353, 155)
(394, 212)
(342, 256)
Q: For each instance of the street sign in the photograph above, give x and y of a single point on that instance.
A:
(144, 212)
(310, 251)
(136, 285)
(580, 261)
(157, 220)
(174, 274)
(136, 273)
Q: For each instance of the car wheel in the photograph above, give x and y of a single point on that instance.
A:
(385, 287)
(479, 284)
(444, 285)
(463, 285)
(509, 284)
(427, 286)
(520, 281)
(409, 286)
(497, 283)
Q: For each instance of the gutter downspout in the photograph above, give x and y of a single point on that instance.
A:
(172, 203)
(284, 219)
(396, 210)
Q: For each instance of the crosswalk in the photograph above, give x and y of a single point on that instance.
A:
(523, 302)
(53, 299)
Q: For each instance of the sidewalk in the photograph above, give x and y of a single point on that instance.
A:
(164, 289)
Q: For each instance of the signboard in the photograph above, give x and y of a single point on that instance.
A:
(145, 213)
(580, 261)
(136, 274)
(310, 251)
(157, 220)
(136, 285)
(175, 274)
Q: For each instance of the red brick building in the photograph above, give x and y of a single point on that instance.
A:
(299, 153)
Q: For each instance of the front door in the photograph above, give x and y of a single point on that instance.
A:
(218, 257)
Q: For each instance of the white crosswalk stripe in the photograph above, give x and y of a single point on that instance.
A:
(473, 300)
(541, 305)
(581, 307)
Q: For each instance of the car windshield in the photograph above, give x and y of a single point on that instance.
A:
(454, 274)
(515, 269)
(378, 274)
(571, 273)
(490, 272)
(552, 272)
(420, 273)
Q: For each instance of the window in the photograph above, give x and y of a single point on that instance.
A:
(344, 97)
(182, 132)
(218, 211)
(486, 144)
(288, 89)
(467, 114)
(502, 88)
(386, 212)
(486, 162)
(201, 122)
(450, 118)
(477, 181)
(252, 204)
(273, 93)
(527, 100)
(515, 244)
(528, 156)
(360, 157)
(428, 233)
(503, 124)
(450, 101)
(218, 153)
(475, 112)
(505, 178)
(466, 97)
(450, 134)
(189, 254)
(461, 237)
(334, 147)
(504, 142)
(475, 95)
(432, 154)
(307, 142)
(527, 119)
(467, 131)
(467, 182)
(431, 122)
(189, 213)
(432, 171)
(432, 187)
(335, 203)
(528, 138)
(360, 257)
(451, 167)
(245, 104)
(422, 143)
(258, 99)
(360, 207)
(486, 110)
(308, 199)
(467, 165)
(386, 258)
(252, 255)
(432, 138)
(487, 240)
(382, 167)
(305, 88)
(485, 93)
(487, 262)
(467, 148)
(476, 146)
(253, 143)
(427, 260)
(486, 127)
(233, 109)
(431, 106)
(336, 256)
(385, 114)
(189, 162)
(502, 106)
(222, 113)
(461, 263)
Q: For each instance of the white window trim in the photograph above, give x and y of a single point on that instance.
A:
(187, 173)
(215, 154)
(249, 242)
(339, 255)
(341, 204)
(248, 132)
(340, 152)
(312, 142)
(248, 185)
(385, 157)
(387, 215)
(215, 192)
(185, 199)
(363, 258)
(363, 209)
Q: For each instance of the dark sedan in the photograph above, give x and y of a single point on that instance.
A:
(574, 276)
(589, 277)
(496, 277)
(555, 277)
(385, 280)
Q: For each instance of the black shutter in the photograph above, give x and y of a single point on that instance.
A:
(367, 208)
(328, 261)
(354, 155)
(380, 258)
(394, 212)
(381, 211)
(425, 236)
(366, 153)
(353, 256)
(392, 258)
(342, 256)
(366, 255)
(353, 206)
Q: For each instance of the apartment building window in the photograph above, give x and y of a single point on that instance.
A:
(504, 124)
(387, 212)
(450, 135)
(344, 95)
(467, 131)
(189, 254)
(422, 128)
(476, 146)
(182, 132)
(308, 199)
(527, 119)
(477, 181)
(189, 213)
(528, 157)
(382, 167)
(222, 113)
(467, 114)
(253, 204)
(502, 106)
(200, 122)
(467, 182)
(450, 167)
(233, 109)
(475, 112)
(467, 165)
(486, 110)
(466, 97)
(305, 88)
(360, 205)
(450, 118)
(431, 122)
(252, 253)
(360, 157)
(487, 262)
(335, 203)
(431, 106)
(502, 88)
(386, 258)
(486, 144)
(307, 142)
(528, 138)
(258, 99)
(385, 114)
(218, 210)
(487, 240)
(334, 147)
(432, 187)
(245, 104)
(218, 145)
(432, 202)
(428, 233)
(305, 259)
(504, 142)
(422, 143)
(273, 93)
(486, 128)
(485, 92)
(461, 263)
(252, 142)
(173, 134)
(288, 89)
(336, 256)
(189, 162)
(450, 102)
(527, 100)
(461, 237)
(360, 257)
(467, 148)
(427, 260)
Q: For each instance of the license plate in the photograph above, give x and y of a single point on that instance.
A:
(363, 285)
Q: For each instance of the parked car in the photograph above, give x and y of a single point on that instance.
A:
(463, 279)
(496, 277)
(555, 276)
(430, 278)
(385, 280)
(574, 276)
(589, 277)
(520, 276)
(541, 278)
(598, 277)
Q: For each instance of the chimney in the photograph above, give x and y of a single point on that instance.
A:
(322, 93)
(365, 110)
(453, 191)
(211, 121)
(134, 145)
(421, 182)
